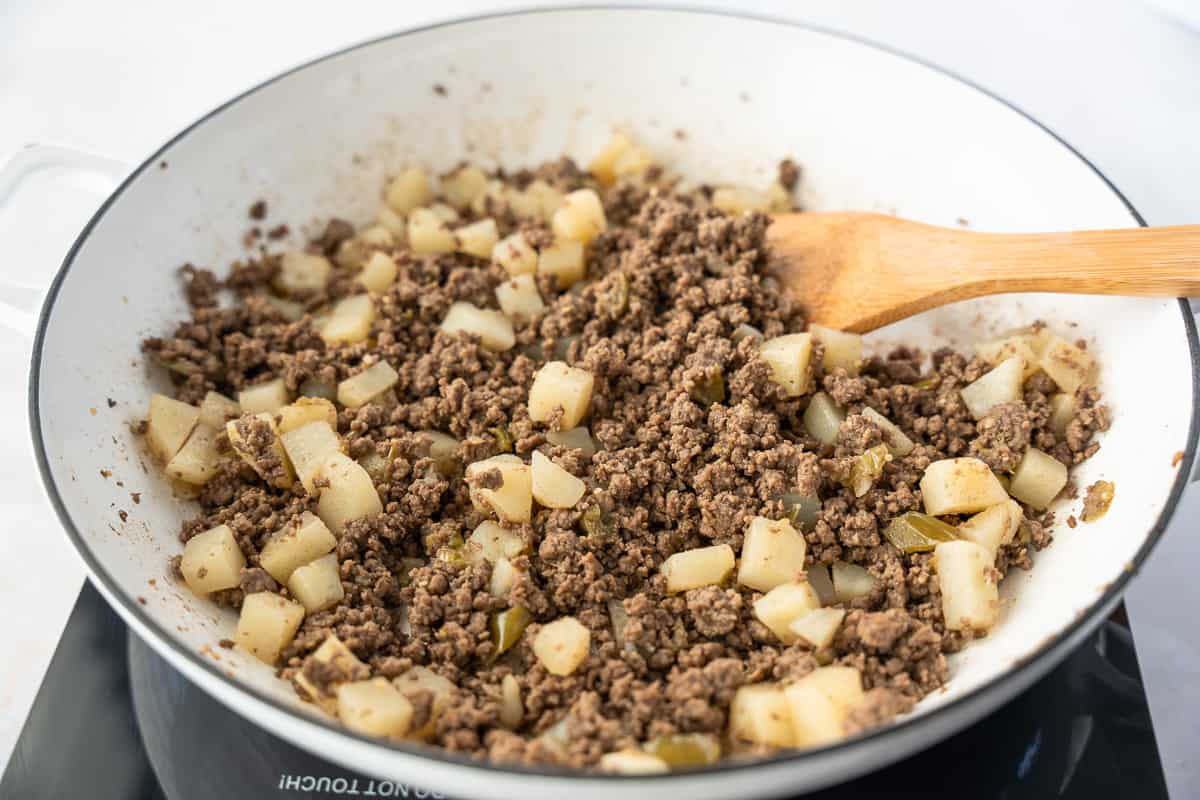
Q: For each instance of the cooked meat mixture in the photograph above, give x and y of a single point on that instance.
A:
(638, 518)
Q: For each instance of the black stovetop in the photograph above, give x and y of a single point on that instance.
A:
(113, 720)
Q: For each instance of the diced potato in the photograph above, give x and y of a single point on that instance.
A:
(267, 624)
(1038, 479)
(553, 486)
(633, 762)
(1000, 350)
(1067, 365)
(576, 438)
(761, 714)
(281, 479)
(1000, 385)
(478, 238)
(217, 409)
(822, 583)
(519, 297)
(737, 200)
(270, 397)
(512, 710)
(772, 553)
(461, 187)
(823, 418)
(556, 386)
(492, 542)
(295, 545)
(898, 444)
(539, 201)
(350, 494)
(443, 449)
(851, 581)
(374, 707)
(700, 566)
(376, 236)
(350, 320)
(394, 222)
(445, 213)
(603, 165)
(1062, 410)
(784, 604)
(788, 357)
(308, 447)
(993, 527)
(818, 627)
(378, 273)
(315, 388)
(305, 410)
(495, 331)
(841, 684)
(334, 657)
(515, 254)
(513, 500)
(360, 389)
(563, 260)
(580, 217)
(302, 272)
(561, 646)
(197, 461)
(317, 585)
(408, 190)
(970, 596)
(428, 233)
(960, 486)
(212, 561)
(169, 425)
(815, 718)
(422, 679)
(634, 163)
(504, 574)
(842, 350)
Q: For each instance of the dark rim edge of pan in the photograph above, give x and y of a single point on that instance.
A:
(1047, 648)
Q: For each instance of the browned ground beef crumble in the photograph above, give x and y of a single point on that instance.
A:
(671, 473)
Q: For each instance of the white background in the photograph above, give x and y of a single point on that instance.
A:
(1115, 78)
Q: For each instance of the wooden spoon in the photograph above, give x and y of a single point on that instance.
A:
(857, 272)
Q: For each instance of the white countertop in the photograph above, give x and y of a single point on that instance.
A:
(1114, 78)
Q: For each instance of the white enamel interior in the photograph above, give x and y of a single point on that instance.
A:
(872, 130)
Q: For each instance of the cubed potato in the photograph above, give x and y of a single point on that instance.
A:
(818, 627)
(841, 684)
(422, 679)
(360, 389)
(264, 397)
(553, 486)
(217, 409)
(212, 561)
(823, 418)
(315, 388)
(539, 201)
(169, 425)
(842, 350)
(1067, 365)
(279, 475)
(994, 526)
(603, 165)
(350, 494)
(519, 297)
(445, 213)
(513, 500)
(632, 762)
(784, 604)
(789, 356)
(301, 272)
(478, 238)
(495, 198)
(512, 710)
(700, 566)
(376, 236)
(1000, 350)
(443, 449)
(576, 438)
(580, 218)
(197, 461)
(394, 222)
(334, 657)
(267, 624)
(815, 718)
(556, 386)
(374, 707)
(960, 486)
(761, 714)
(970, 596)
(491, 542)
(305, 410)
(428, 233)
(737, 200)
(308, 447)
(634, 163)
(850, 581)
(317, 584)
(1000, 385)
(1038, 479)
(772, 553)
(495, 331)
(463, 185)
(515, 254)
(408, 190)
(561, 646)
(350, 320)
(1062, 410)
(564, 260)
(378, 273)
(898, 444)
(504, 574)
(295, 545)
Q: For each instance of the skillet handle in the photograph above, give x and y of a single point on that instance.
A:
(47, 193)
